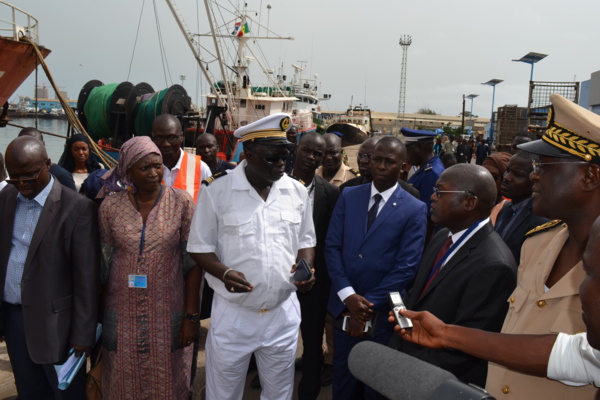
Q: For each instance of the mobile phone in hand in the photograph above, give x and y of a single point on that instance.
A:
(303, 272)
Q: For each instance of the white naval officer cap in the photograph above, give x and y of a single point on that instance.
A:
(268, 130)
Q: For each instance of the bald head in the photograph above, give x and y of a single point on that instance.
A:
(168, 136)
(28, 163)
(333, 155)
(370, 143)
(393, 144)
(207, 147)
(164, 121)
(25, 149)
(312, 137)
(363, 157)
(478, 181)
(31, 131)
(332, 140)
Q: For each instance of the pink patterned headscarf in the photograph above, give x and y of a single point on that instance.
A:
(131, 152)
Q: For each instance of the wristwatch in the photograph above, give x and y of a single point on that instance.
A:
(192, 317)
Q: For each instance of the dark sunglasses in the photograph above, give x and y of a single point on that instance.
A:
(25, 181)
(275, 159)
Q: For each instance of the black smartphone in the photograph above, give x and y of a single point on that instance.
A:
(303, 272)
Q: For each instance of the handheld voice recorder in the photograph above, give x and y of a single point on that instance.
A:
(396, 305)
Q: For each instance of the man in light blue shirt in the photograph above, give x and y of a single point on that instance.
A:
(49, 273)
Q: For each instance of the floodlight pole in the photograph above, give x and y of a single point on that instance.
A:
(405, 41)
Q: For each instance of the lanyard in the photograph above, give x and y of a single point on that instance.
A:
(452, 248)
(143, 238)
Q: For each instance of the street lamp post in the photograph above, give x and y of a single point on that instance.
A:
(462, 124)
(492, 83)
(531, 58)
(471, 97)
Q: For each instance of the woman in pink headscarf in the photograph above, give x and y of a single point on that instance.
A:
(151, 285)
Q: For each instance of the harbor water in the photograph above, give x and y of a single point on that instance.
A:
(54, 145)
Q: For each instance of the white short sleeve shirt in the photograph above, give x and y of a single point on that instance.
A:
(259, 238)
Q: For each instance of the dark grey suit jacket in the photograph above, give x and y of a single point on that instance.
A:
(326, 196)
(515, 235)
(61, 276)
(470, 290)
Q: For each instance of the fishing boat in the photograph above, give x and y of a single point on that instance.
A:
(234, 99)
(17, 56)
(355, 125)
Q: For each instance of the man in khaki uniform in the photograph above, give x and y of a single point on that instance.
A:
(333, 169)
(566, 186)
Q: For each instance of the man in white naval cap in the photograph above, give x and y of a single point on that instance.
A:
(250, 229)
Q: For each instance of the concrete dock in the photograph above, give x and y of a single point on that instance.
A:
(9, 392)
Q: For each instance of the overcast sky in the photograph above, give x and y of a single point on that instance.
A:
(352, 45)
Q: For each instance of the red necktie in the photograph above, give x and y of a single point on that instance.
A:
(441, 253)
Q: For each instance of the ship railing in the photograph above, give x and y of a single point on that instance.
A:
(18, 23)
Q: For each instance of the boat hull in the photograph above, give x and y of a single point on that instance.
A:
(351, 134)
(17, 62)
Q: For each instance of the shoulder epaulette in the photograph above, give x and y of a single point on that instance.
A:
(428, 167)
(208, 181)
(298, 179)
(355, 172)
(543, 227)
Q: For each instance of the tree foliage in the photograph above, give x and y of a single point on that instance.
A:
(426, 110)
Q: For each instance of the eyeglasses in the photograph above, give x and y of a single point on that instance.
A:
(364, 156)
(537, 166)
(439, 192)
(173, 139)
(25, 181)
(275, 159)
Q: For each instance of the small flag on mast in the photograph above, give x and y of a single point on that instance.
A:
(240, 29)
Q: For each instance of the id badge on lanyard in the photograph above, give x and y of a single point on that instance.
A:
(137, 281)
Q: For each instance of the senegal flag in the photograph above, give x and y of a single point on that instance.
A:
(240, 29)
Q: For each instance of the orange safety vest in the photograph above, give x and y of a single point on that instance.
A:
(189, 175)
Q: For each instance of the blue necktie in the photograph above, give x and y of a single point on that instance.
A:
(372, 215)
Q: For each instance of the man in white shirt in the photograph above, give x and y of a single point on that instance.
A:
(181, 170)
(250, 229)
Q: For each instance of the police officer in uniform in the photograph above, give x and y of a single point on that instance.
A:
(419, 145)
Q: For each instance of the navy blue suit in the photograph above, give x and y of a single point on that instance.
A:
(384, 259)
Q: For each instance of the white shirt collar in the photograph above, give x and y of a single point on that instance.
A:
(178, 165)
(385, 194)
(456, 236)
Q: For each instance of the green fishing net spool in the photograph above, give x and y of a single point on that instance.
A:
(97, 108)
(147, 110)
